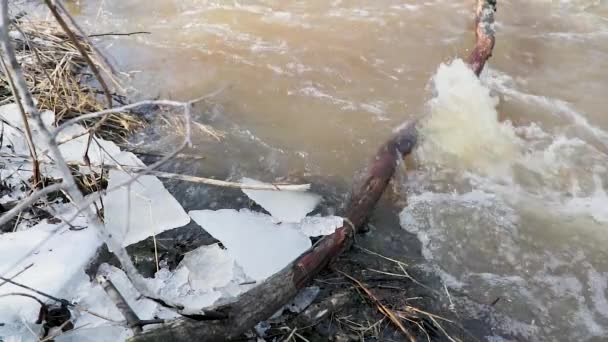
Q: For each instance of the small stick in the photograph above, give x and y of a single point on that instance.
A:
(85, 37)
(121, 303)
(18, 273)
(118, 34)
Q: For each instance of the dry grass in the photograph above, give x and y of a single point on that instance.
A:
(58, 77)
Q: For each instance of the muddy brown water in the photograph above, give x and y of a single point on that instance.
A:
(514, 211)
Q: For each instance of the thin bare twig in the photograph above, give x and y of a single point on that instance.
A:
(27, 130)
(18, 273)
(84, 36)
(121, 303)
(118, 34)
(52, 5)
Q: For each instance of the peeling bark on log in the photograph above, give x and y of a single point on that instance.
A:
(265, 299)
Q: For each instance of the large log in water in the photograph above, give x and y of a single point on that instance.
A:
(265, 299)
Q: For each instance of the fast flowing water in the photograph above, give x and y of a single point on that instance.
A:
(508, 189)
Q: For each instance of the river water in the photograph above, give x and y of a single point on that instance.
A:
(507, 192)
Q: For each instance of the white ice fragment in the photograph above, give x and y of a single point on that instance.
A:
(143, 209)
(261, 328)
(57, 258)
(259, 246)
(286, 206)
(319, 225)
(210, 267)
(13, 129)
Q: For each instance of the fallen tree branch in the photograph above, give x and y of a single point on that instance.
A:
(51, 4)
(265, 299)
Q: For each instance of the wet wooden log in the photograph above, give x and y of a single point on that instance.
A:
(265, 299)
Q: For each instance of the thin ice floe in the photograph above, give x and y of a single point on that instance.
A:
(52, 256)
(141, 209)
(286, 206)
(258, 245)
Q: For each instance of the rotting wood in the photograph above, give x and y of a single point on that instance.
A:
(265, 299)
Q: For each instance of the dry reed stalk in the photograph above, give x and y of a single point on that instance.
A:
(56, 73)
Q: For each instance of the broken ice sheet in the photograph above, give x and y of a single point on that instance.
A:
(143, 209)
(210, 267)
(51, 259)
(286, 206)
(205, 276)
(318, 225)
(258, 245)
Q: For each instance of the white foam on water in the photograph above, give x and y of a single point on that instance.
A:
(463, 127)
(504, 84)
(595, 205)
(484, 247)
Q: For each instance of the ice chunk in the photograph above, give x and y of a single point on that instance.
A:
(57, 257)
(210, 267)
(259, 246)
(13, 128)
(286, 206)
(319, 225)
(143, 209)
